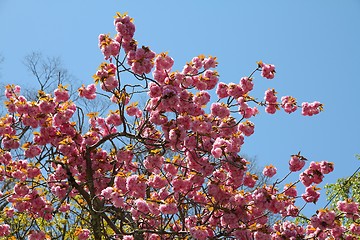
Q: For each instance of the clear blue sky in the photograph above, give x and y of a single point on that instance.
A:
(314, 45)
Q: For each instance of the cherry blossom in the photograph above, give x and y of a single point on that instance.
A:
(169, 167)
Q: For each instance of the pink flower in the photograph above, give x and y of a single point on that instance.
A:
(271, 108)
(142, 206)
(158, 118)
(106, 193)
(324, 219)
(220, 110)
(247, 128)
(37, 235)
(136, 186)
(84, 234)
(61, 94)
(270, 96)
(311, 194)
(288, 103)
(164, 62)
(211, 79)
(222, 90)
(189, 69)
(47, 106)
(269, 171)
(169, 208)
(170, 169)
(117, 200)
(309, 109)
(181, 185)
(106, 75)
(355, 228)
(292, 211)
(4, 230)
(314, 173)
(9, 212)
(12, 91)
(127, 45)
(296, 163)
(109, 47)
(32, 151)
(209, 62)
(125, 27)
(235, 90)
(246, 84)
(326, 167)
(197, 62)
(21, 189)
(307, 178)
(88, 92)
(10, 142)
(141, 60)
(270, 101)
(64, 208)
(153, 163)
(127, 237)
(133, 110)
(199, 232)
(114, 118)
(267, 70)
(155, 90)
(202, 98)
(250, 180)
(290, 190)
(157, 181)
(109, 83)
(348, 206)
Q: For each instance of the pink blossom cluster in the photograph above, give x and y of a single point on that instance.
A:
(267, 70)
(106, 75)
(36, 235)
(125, 28)
(314, 175)
(245, 110)
(288, 103)
(83, 234)
(133, 110)
(269, 171)
(247, 128)
(193, 67)
(309, 109)
(200, 232)
(61, 94)
(315, 172)
(125, 31)
(109, 47)
(350, 208)
(4, 230)
(141, 60)
(296, 163)
(163, 64)
(88, 92)
(287, 230)
(311, 194)
(271, 101)
(324, 219)
(235, 90)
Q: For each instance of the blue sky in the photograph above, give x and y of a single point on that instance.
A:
(314, 45)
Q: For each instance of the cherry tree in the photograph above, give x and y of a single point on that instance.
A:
(172, 169)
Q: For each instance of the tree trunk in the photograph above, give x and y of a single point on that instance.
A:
(96, 225)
